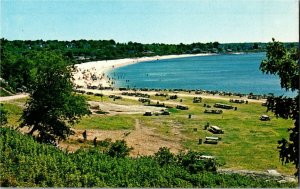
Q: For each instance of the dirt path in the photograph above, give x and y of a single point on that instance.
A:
(144, 140)
(8, 98)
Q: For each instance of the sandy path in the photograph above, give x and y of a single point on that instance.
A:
(8, 98)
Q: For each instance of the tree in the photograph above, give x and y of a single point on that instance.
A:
(285, 63)
(164, 157)
(255, 46)
(53, 107)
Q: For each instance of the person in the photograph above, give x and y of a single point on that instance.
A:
(84, 135)
(206, 126)
(95, 141)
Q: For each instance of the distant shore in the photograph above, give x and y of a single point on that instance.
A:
(95, 73)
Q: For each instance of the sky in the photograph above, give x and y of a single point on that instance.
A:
(155, 21)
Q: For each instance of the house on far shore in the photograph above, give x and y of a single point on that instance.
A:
(214, 50)
(148, 52)
(229, 51)
(82, 58)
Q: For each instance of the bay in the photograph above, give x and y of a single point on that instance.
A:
(229, 73)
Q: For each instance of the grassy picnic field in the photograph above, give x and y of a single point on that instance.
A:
(247, 143)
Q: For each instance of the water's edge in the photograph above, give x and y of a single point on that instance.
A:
(237, 73)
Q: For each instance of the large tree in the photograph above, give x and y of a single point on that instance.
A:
(285, 63)
(53, 107)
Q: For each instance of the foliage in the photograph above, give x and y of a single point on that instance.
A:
(26, 163)
(3, 115)
(5, 89)
(285, 63)
(104, 143)
(17, 69)
(52, 107)
(119, 149)
(4, 92)
(191, 162)
(164, 157)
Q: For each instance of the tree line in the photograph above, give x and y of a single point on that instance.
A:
(87, 50)
(17, 67)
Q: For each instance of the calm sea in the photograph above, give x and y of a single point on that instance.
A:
(231, 73)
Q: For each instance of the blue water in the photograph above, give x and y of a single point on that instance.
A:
(230, 73)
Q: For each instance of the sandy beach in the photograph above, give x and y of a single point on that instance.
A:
(94, 74)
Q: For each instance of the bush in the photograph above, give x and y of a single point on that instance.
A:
(192, 162)
(164, 156)
(105, 143)
(119, 149)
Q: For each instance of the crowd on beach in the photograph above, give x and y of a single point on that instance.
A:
(92, 78)
(94, 75)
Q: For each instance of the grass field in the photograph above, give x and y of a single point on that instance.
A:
(247, 142)
(106, 122)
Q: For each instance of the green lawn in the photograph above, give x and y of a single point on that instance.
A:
(247, 143)
(106, 122)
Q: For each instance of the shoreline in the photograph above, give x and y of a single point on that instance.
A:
(95, 73)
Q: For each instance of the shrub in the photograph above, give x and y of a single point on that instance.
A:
(105, 143)
(164, 156)
(192, 162)
(119, 149)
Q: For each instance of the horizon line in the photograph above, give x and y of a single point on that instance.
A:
(145, 43)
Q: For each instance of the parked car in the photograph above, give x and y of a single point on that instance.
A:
(211, 140)
(264, 118)
(180, 107)
(147, 114)
(216, 130)
(165, 112)
(224, 106)
(213, 111)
